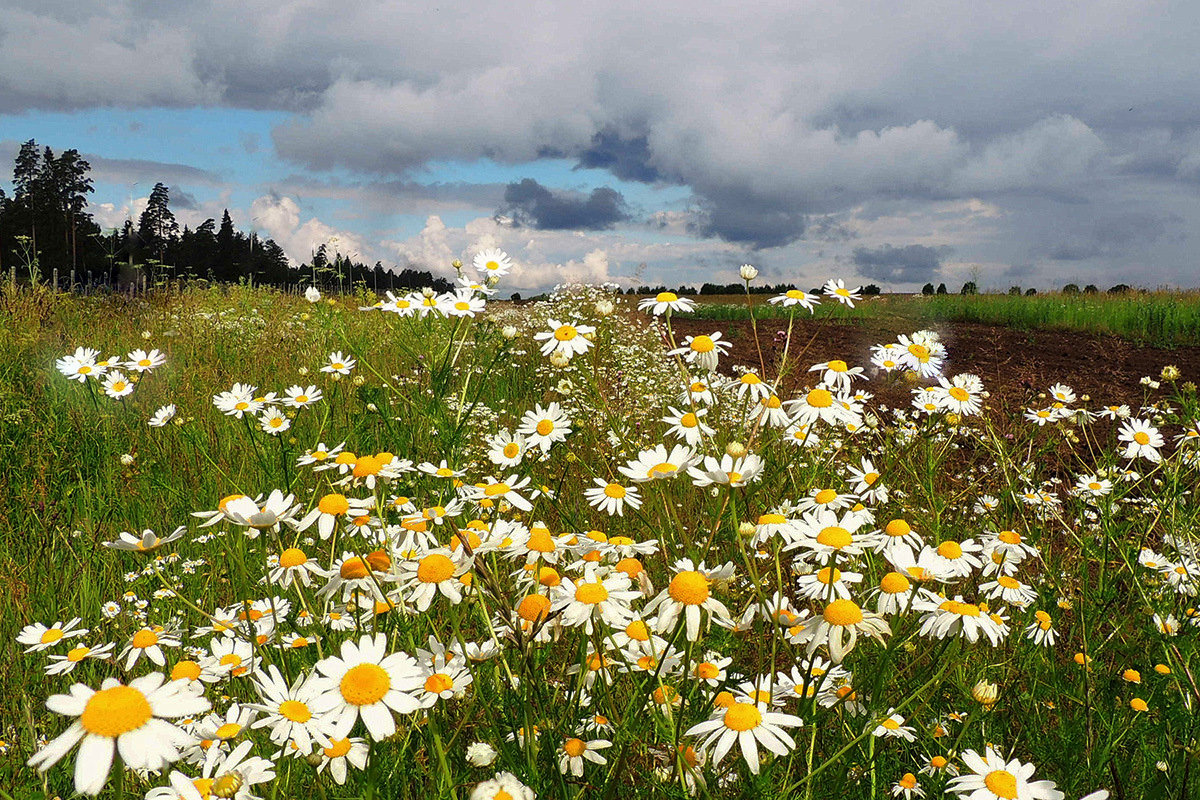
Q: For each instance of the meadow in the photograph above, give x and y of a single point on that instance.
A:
(256, 545)
(1161, 319)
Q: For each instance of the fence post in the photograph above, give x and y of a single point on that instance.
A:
(54, 274)
(72, 287)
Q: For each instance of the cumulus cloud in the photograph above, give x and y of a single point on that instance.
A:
(281, 216)
(913, 263)
(781, 123)
(532, 204)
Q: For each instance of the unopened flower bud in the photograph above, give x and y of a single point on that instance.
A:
(748, 272)
(985, 693)
(508, 332)
(735, 449)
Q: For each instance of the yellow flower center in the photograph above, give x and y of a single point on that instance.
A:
(897, 527)
(1141, 437)
(365, 684)
(1008, 583)
(292, 557)
(835, 537)
(1009, 537)
(615, 491)
(337, 748)
(565, 333)
(115, 711)
(354, 569)
(435, 568)
(959, 394)
(533, 607)
(1001, 783)
(301, 398)
(703, 344)
(843, 613)
(575, 747)
(742, 717)
(891, 724)
(825, 496)
(707, 671)
(52, 635)
(894, 583)
(295, 711)
(497, 489)
(638, 631)
(920, 351)
(666, 297)
(772, 519)
(462, 305)
(689, 587)
(819, 398)
(828, 576)
(438, 683)
(664, 470)
(950, 549)
(689, 420)
(591, 593)
(511, 450)
(227, 731)
(145, 638)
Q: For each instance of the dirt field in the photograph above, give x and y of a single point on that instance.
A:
(1014, 365)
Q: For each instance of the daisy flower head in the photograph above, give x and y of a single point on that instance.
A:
(292, 566)
(340, 753)
(922, 353)
(492, 263)
(821, 404)
(893, 726)
(442, 681)
(543, 427)
(994, 778)
(432, 573)
(367, 682)
(37, 637)
(162, 416)
(962, 394)
(273, 421)
(907, 787)
(301, 396)
(837, 374)
(729, 471)
(836, 288)
(131, 718)
(503, 786)
(493, 491)
(465, 303)
(507, 449)
(80, 365)
(575, 751)
(838, 627)
(687, 425)
(611, 498)
(116, 385)
(1142, 440)
(141, 361)
(747, 725)
(149, 642)
(703, 351)
(667, 303)
(64, 664)
(565, 339)
(590, 597)
(339, 364)
(330, 508)
(278, 508)
(689, 595)
(148, 542)
(658, 463)
(797, 297)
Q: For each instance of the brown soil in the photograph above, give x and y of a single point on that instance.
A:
(1015, 365)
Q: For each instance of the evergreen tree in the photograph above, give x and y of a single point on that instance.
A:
(157, 228)
(227, 268)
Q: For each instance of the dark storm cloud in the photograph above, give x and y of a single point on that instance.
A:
(530, 204)
(744, 219)
(182, 200)
(912, 263)
(626, 158)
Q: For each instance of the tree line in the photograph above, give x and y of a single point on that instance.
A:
(46, 227)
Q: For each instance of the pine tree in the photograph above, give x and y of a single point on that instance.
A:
(157, 227)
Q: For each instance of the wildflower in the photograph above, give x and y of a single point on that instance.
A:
(147, 542)
(836, 375)
(687, 425)
(611, 498)
(543, 427)
(665, 302)
(312, 294)
(1142, 438)
(116, 385)
(329, 508)
(492, 263)
(607, 598)
(747, 725)
(797, 297)
(953, 617)
(80, 365)
(907, 787)
(162, 416)
(893, 727)
(481, 754)
(565, 339)
(433, 573)
(748, 272)
(836, 289)
(838, 628)
(1041, 630)
(502, 787)
(702, 351)
(339, 364)
(301, 397)
(141, 361)
(985, 693)
(366, 681)
(506, 449)
(37, 637)
(130, 718)
(658, 463)
(574, 751)
(64, 664)
(728, 471)
(993, 778)
(689, 594)
(494, 491)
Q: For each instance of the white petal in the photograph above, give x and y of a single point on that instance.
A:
(92, 764)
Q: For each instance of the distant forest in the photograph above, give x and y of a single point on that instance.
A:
(45, 227)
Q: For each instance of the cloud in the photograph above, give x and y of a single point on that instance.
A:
(913, 263)
(530, 204)
(280, 217)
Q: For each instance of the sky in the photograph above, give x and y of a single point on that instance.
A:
(1015, 143)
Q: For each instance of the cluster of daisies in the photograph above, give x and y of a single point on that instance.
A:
(395, 591)
(110, 373)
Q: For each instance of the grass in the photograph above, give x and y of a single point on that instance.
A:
(434, 389)
(1160, 319)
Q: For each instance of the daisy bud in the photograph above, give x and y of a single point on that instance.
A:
(748, 272)
(735, 450)
(985, 693)
(481, 754)
(560, 360)
(605, 307)
(427, 292)
(127, 459)
(359, 380)
(314, 758)
(457, 264)
(508, 332)
(1170, 373)
(303, 370)
(746, 530)
(312, 294)
(145, 334)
